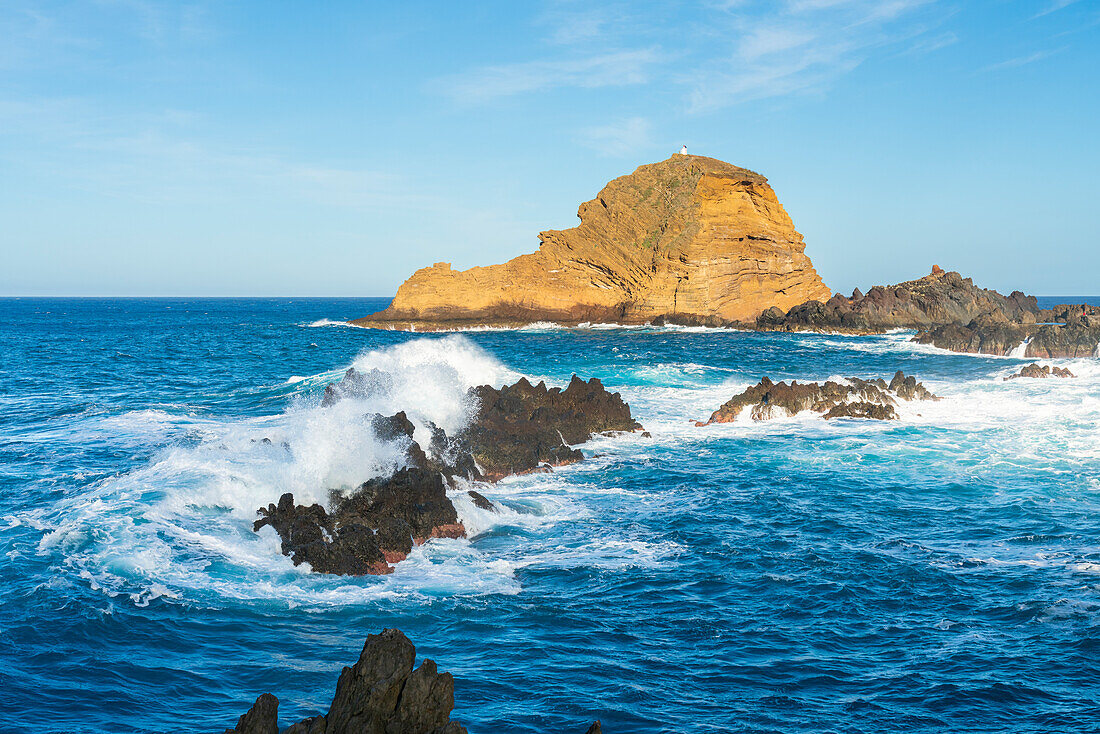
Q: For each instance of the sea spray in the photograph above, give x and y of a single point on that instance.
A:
(1020, 351)
(159, 529)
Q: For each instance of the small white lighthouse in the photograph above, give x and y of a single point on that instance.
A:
(684, 150)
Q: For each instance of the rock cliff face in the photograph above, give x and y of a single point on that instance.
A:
(689, 236)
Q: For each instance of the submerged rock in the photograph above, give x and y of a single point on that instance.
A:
(1034, 370)
(858, 399)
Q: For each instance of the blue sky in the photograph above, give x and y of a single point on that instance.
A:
(280, 148)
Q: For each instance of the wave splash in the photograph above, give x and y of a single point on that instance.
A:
(180, 526)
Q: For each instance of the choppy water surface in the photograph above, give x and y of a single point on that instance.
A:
(938, 572)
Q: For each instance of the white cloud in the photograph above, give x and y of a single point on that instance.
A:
(617, 68)
(624, 138)
(1053, 7)
(802, 46)
(1022, 60)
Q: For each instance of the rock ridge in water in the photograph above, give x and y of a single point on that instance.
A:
(941, 297)
(859, 398)
(515, 429)
(689, 236)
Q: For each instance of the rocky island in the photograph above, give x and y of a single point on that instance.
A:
(689, 237)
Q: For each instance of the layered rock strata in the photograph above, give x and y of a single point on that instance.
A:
(858, 398)
(689, 236)
(515, 429)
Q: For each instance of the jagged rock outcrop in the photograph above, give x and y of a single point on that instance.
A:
(936, 299)
(686, 236)
(381, 694)
(857, 399)
(515, 429)
(1035, 371)
(523, 426)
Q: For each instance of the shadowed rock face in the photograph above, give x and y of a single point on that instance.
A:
(858, 399)
(689, 235)
(1034, 370)
(938, 298)
(515, 429)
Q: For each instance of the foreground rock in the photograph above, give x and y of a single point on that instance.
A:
(1034, 370)
(875, 399)
(515, 429)
(938, 298)
(380, 694)
(688, 236)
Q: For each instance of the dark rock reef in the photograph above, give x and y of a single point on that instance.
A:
(1034, 370)
(859, 399)
(515, 429)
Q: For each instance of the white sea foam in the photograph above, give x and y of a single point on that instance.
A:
(181, 525)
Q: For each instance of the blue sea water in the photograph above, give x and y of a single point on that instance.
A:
(936, 573)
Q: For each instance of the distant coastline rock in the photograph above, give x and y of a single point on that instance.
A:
(987, 335)
(859, 398)
(689, 237)
(938, 298)
(516, 429)
(1035, 371)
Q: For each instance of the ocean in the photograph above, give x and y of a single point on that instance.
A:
(936, 573)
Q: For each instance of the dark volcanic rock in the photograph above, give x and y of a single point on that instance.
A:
(1047, 341)
(310, 535)
(858, 399)
(418, 497)
(515, 429)
(381, 694)
(522, 426)
(875, 411)
(984, 335)
(262, 718)
(1034, 370)
(936, 299)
